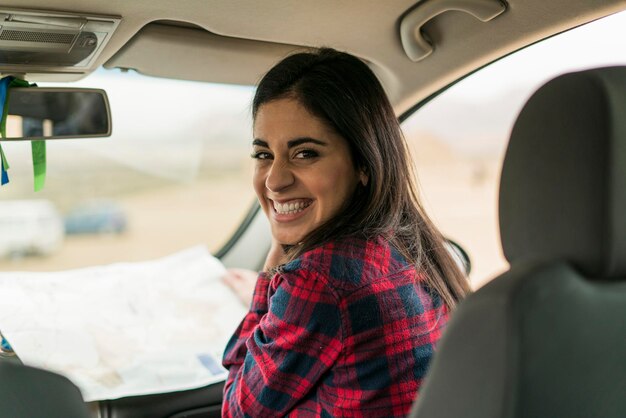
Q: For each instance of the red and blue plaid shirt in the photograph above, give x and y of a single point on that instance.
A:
(345, 330)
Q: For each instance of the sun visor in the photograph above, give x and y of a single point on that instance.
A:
(51, 42)
(190, 53)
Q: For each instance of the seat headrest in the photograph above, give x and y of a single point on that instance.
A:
(563, 186)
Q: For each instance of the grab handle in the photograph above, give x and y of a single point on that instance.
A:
(415, 45)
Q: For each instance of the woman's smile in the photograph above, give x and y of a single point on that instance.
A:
(290, 210)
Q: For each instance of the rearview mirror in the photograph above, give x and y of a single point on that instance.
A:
(56, 113)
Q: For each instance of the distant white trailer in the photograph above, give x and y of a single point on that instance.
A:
(29, 227)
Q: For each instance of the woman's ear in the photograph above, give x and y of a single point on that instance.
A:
(363, 177)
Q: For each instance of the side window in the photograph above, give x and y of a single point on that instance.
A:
(174, 174)
(458, 139)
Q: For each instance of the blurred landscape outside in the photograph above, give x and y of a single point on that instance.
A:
(176, 167)
(177, 172)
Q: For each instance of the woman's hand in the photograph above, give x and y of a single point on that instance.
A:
(275, 257)
(242, 282)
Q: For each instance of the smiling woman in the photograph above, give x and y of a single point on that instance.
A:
(358, 285)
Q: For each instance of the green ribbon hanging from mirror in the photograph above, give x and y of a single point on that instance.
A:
(38, 147)
(38, 150)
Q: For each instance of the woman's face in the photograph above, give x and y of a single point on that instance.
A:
(303, 174)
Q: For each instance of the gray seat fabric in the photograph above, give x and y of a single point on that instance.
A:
(548, 337)
(27, 392)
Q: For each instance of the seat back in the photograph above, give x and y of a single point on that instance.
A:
(27, 392)
(548, 337)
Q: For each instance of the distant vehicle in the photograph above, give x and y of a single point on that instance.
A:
(96, 217)
(29, 227)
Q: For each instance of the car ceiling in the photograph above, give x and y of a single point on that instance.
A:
(236, 41)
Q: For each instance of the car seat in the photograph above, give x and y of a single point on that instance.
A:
(548, 337)
(27, 392)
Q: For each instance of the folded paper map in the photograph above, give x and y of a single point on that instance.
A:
(124, 329)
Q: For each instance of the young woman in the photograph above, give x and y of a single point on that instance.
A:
(358, 283)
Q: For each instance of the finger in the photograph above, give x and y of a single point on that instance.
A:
(231, 279)
(244, 274)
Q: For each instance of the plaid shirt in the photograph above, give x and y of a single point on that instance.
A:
(345, 330)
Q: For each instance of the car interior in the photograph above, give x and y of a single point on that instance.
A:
(545, 338)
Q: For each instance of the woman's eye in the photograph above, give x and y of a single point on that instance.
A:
(306, 154)
(261, 155)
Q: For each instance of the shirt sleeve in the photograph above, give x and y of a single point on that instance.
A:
(286, 353)
(235, 351)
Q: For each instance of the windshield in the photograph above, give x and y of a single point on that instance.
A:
(175, 173)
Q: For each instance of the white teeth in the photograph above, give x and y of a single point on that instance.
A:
(291, 207)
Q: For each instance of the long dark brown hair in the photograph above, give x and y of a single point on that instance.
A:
(342, 90)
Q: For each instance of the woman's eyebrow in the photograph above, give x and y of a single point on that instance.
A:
(290, 144)
(300, 141)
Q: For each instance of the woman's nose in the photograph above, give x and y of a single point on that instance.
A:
(279, 177)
